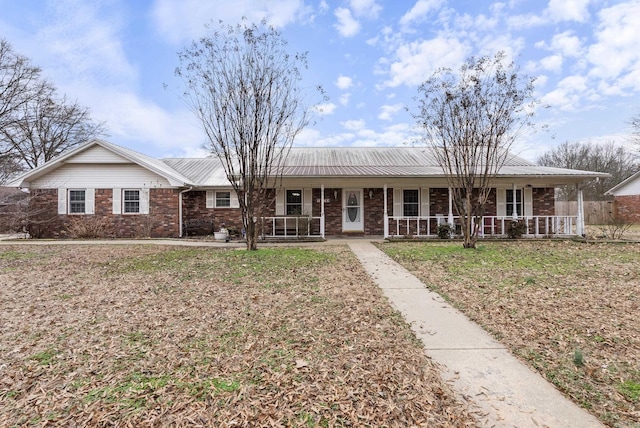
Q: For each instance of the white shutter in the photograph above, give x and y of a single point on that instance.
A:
(280, 201)
(397, 203)
(144, 201)
(234, 202)
(528, 201)
(307, 201)
(117, 201)
(501, 202)
(89, 201)
(424, 202)
(62, 201)
(211, 199)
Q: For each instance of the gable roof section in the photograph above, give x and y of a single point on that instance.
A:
(154, 165)
(618, 190)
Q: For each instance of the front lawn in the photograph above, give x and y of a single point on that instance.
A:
(116, 335)
(570, 310)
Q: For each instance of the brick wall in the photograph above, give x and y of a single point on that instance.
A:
(544, 201)
(627, 208)
(161, 222)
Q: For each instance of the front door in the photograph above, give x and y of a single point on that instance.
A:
(352, 217)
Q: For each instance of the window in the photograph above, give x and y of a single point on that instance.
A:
(131, 201)
(77, 201)
(223, 199)
(518, 202)
(294, 202)
(410, 203)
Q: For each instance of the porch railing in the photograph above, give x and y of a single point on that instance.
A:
(291, 227)
(535, 226)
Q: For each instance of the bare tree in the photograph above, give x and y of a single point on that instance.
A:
(471, 119)
(46, 126)
(589, 156)
(244, 88)
(635, 131)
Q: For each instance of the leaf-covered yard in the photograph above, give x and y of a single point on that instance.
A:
(158, 336)
(571, 310)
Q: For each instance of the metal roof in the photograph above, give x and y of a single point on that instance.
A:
(202, 172)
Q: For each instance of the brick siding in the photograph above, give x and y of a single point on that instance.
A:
(627, 208)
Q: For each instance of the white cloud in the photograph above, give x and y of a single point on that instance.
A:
(568, 10)
(567, 94)
(185, 20)
(419, 11)
(617, 51)
(388, 111)
(416, 62)
(567, 44)
(354, 125)
(552, 63)
(344, 99)
(347, 26)
(344, 82)
(325, 109)
(366, 8)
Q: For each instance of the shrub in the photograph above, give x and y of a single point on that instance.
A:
(516, 229)
(445, 231)
(87, 227)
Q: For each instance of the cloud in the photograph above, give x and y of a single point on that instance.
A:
(366, 8)
(419, 11)
(325, 109)
(568, 94)
(182, 21)
(344, 82)
(388, 111)
(344, 98)
(347, 26)
(568, 10)
(552, 63)
(417, 61)
(354, 125)
(617, 50)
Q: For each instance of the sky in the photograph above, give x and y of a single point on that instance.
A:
(370, 56)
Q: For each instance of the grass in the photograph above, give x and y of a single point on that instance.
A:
(568, 309)
(154, 335)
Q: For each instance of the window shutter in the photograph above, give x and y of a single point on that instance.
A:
(501, 202)
(117, 201)
(280, 201)
(211, 199)
(424, 202)
(89, 201)
(144, 201)
(234, 203)
(397, 202)
(528, 201)
(307, 201)
(62, 201)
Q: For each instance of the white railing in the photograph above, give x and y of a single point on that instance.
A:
(490, 226)
(291, 227)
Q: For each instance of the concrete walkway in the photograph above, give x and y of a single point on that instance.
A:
(481, 370)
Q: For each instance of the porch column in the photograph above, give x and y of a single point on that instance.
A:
(515, 202)
(450, 217)
(322, 210)
(580, 213)
(386, 216)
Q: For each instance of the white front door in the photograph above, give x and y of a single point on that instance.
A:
(352, 217)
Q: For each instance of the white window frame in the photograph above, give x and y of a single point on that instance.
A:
(72, 202)
(64, 201)
(218, 199)
(416, 203)
(124, 202)
(288, 204)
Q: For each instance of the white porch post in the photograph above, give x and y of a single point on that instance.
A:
(386, 216)
(450, 216)
(322, 210)
(580, 219)
(515, 202)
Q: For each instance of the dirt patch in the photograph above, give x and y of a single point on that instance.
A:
(158, 336)
(568, 309)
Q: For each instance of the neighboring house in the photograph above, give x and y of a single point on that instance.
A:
(389, 191)
(626, 202)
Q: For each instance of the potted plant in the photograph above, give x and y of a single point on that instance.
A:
(222, 234)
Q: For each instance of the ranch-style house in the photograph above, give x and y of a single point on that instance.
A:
(324, 192)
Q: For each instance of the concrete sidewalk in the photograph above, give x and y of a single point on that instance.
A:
(481, 370)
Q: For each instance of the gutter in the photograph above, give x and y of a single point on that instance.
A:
(180, 208)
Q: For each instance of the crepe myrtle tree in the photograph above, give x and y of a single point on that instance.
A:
(245, 90)
(471, 119)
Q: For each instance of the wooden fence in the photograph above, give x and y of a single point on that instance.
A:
(595, 212)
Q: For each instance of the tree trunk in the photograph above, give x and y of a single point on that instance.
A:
(251, 234)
